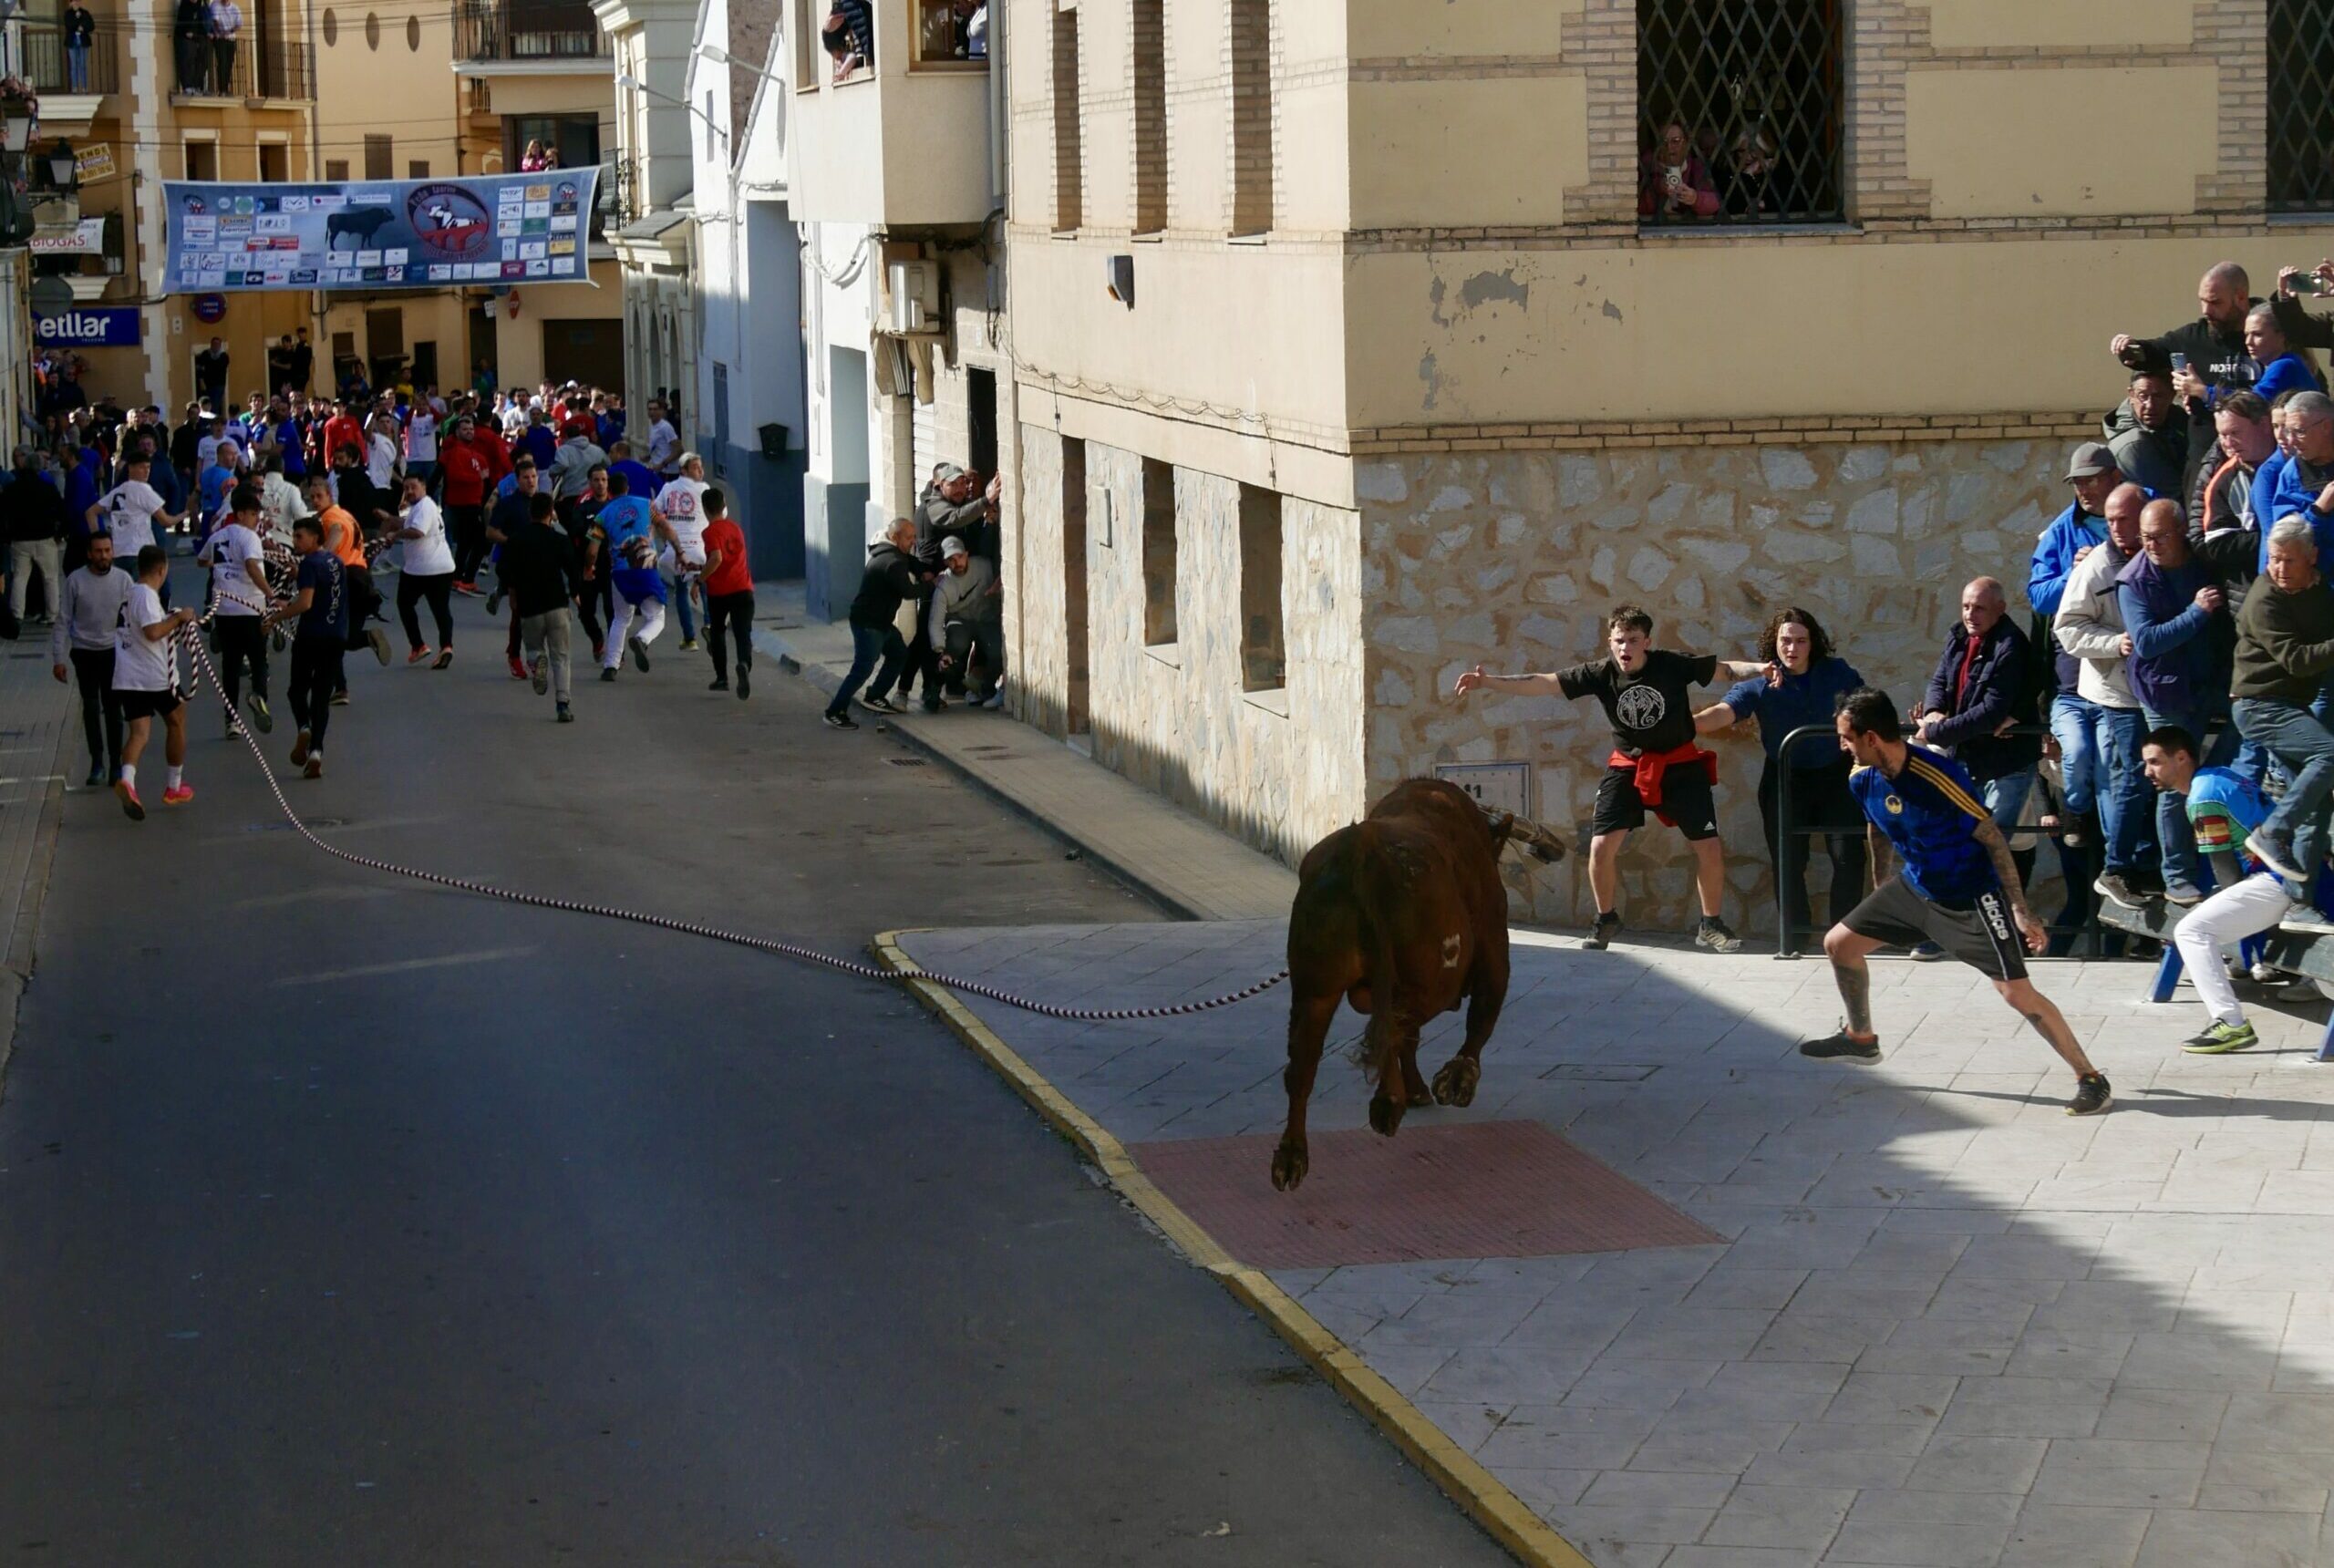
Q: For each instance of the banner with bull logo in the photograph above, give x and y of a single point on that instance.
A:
(379, 233)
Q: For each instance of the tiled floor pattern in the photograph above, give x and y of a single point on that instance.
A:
(1946, 1324)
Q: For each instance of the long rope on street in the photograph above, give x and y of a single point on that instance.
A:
(193, 638)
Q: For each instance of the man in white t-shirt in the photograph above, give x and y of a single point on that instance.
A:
(129, 511)
(664, 442)
(421, 441)
(425, 570)
(238, 595)
(680, 508)
(145, 680)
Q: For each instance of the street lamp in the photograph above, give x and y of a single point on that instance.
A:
(636, 85)
(17, 122)
(63, 170)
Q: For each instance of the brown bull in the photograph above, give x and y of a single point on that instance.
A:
(1403, 916)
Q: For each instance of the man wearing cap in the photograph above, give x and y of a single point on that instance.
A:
(952, 507)
(966, 619)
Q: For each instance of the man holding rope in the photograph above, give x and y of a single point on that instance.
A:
(238, 595)
(145, 678)
(318, 640)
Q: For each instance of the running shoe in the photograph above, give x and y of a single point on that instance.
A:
(300, 750)
(2183, 894)
(599, 649)
(1925, 952)
(539, 673)
(2276, 856)
(517, 669)
(178, 794)
(97, 775)
(315, 768)
(127, 793)
(880, 704)
(608, 672)
(1842, 1047)
(933, 705)
(279, 641)
(1717, 935)
(745, 682)
(840, 721)
(340, 699)
(2307, 919)
(445, 657)
(1600, 935)
(419, 654)
(468, 588)
(260, 717)
(2118, 887)
(639, 654)
(2220, 1039)
(2092, 1095)
(566, 714)
(995, 699)
(494, 600)
(718, 685)
(380, 643)
(688, 645)
(234, 729)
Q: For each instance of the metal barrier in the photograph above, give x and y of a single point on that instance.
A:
(1787, 828)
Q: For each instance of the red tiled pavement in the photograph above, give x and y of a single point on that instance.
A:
(1478, 1190)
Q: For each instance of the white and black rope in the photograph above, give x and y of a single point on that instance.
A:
(711, 934)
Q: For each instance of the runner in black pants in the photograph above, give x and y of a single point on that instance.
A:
(596, 604)
(239, 593)
(728, 595)
(319, 639)
(93, 598)
(425, 572)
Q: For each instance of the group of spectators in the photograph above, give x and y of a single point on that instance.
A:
(1685, 178)
(205, 32)
(942, 564)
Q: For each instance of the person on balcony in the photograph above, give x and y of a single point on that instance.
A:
(534, 160)
(226, 24)
(190, 30)
(80, 34)
(849, 35)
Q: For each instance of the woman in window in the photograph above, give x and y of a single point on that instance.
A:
(534, 159)
(1674, 183)
(1805, 680)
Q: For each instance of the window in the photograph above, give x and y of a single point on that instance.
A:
(413, 34)
(1264, 662)
(372, 29)
(275, 161)
(1069, 176)
(2301, 105)
(946, 35)
(380, 157)
(331, 27)
(1252, 117)
(806, 44)
(571, 140)
(1738, 111)
(416, 169)
(337, 171)
(1158, 551)
(202, 160)
(1149, 25)
(720, 410)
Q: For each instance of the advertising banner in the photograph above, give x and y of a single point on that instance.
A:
(89, 326)
(379, 233)
(85, 238)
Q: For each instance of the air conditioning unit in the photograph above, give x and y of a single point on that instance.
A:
(915, 296)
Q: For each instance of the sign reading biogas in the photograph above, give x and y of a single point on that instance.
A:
(380, 234)
(92, 327)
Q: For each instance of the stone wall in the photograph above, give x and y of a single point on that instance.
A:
(1512, 559)
(1277, 769)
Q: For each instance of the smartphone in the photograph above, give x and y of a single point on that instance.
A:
(2310, 283)
(2179, 363)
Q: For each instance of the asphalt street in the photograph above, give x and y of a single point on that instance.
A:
(346, 1221)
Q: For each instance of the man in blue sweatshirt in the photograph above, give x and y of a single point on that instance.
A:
(2182, 640)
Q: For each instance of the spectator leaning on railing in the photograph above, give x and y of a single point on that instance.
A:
(2182, 640)
(2090, 625)
(2285, 650)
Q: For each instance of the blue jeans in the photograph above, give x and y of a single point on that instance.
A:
(2005, 797)
(2099, 755)
(2296, 740)
(678, 591)
(77, 67)
(868, 646)
(2172, 833)
(2073, 726)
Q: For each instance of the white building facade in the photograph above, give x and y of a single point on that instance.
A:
(655, 165)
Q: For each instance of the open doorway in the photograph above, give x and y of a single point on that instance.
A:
(980, 421)
(1073, 583)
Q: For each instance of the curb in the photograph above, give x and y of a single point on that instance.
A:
(1462, 1478)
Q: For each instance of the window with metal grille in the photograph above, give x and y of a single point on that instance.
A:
(2301, 105)
(1740, 111)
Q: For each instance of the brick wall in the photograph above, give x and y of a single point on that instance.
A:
(1248, 69)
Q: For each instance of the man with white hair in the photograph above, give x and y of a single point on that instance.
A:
(2285, 650)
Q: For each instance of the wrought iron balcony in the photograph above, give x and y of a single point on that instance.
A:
(51, 67)
(521, 30)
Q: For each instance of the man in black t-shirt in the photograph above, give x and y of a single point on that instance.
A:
(1654, 763)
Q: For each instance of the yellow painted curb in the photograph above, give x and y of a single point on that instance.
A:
(1455, 1470)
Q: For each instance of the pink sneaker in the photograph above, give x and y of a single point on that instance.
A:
(132, 806)
(179, 795)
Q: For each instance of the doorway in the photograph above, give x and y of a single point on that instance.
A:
(384, 347)
(587, 349)
(980, 421)
(1073, 583)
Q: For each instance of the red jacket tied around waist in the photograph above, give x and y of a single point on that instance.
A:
(1654, 765)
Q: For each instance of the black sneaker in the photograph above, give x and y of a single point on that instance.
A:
(566, 714)
(2115, 886)
(96, 778)
(2092, 1096)
(718, 685)
(260, 715)
(1925, 952)
(639, 654)
(745, 683)
(1842, 1046)
(842, 721)
(494, 600)
(608, 672)
(880, 704)
(1600, 935)
(1715, 934)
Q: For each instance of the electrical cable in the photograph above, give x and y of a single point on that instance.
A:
(193, 639)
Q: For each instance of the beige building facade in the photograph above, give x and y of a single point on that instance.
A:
(1407, 382)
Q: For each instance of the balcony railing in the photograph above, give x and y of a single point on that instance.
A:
(527, 30)
(50, 67)
(261, 71)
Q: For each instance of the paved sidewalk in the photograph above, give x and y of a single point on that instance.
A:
(1178, 860)
(38, 723)
(1945, 1324)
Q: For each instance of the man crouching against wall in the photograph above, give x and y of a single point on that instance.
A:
(1654, 764)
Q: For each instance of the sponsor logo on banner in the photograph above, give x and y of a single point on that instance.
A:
(103, 326)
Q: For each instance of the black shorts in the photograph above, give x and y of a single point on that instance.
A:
(1685, 795)
(1984, 938)
(148, 703)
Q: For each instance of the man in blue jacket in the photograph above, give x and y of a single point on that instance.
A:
(2181, 639)
(2074, 719)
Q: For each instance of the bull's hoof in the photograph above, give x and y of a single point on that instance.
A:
(1455, 1084)
(1386, 1114)
(1289, 1163)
